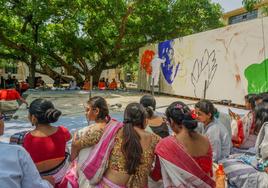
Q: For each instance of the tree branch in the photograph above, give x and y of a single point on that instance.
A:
(122, 28)
(15, 46)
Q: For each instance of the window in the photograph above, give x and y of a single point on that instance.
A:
(243, 17)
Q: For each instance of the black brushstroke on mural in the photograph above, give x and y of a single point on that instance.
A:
(207, 65)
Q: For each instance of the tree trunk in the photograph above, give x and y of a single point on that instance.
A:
(71, 70)
(96, 73)
(47, 70)
(32, 68)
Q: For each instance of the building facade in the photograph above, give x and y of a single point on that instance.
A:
(241, 14)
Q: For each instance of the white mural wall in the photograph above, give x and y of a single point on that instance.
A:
(232, 61)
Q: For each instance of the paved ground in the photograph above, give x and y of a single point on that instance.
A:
(71, 103)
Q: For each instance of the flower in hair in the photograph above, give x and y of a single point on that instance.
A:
(178, 106)
(193, 114)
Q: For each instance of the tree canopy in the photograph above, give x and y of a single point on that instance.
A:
(86, 37)
(250, 5)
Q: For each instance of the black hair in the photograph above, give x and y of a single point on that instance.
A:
(264, 96)
(258, 97)
(207, 107)
(181, 114)
(149, 103)
(251, 98)
(261, 116)
(134, 116)
(101, 104)
(44, 111)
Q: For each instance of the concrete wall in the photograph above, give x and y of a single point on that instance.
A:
(231, 60)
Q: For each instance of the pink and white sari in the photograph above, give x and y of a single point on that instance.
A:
(178, 168)
(88, 169)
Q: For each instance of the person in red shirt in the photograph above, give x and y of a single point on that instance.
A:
(10, 95)
(46, 144)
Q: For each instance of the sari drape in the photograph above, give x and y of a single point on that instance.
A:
(178, 168)
(89, 169)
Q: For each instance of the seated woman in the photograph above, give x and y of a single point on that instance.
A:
(214, 130)
(113, 85)
(261, 130)
(39, 82)
(155, 124)
(243, 136)
(97, 111)
(86, 85)
(17, 168)
(102, 84)
(186, 157)
(73, 85)
(24, 86)
(127, 156)
(250, 166)
(46, 144)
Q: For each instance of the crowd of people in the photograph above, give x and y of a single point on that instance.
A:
(113, 85)
(39, 83)
(177, 149)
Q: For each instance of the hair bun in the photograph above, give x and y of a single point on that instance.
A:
(190, 124)
(52, 115)
(150, 111)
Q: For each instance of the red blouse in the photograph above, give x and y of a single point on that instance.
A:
(205, 162)
(50, 147)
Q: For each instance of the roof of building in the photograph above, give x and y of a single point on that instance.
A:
(242, 10)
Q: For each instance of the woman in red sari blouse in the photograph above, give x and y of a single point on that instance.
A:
(184, 159)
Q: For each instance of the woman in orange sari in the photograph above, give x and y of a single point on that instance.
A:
(113, 85)
(102, 84)
(86, 85)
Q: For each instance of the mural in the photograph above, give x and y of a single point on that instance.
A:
(146, 60)
(203, 71)
(223, 58)
(169, 67)
(256, 75)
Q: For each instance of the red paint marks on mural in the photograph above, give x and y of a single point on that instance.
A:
(238, 78)
(261, 52)
(146, 60)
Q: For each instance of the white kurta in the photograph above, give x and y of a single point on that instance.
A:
(17, 169)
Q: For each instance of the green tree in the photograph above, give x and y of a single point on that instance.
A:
(86, 37)
(250, 5)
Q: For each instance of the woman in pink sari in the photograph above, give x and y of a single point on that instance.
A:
(97, 111)
(121, 156)
(184, 159)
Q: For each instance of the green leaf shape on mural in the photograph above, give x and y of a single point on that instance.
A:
(256, 75)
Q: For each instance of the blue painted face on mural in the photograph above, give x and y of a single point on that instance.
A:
(170, 67)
